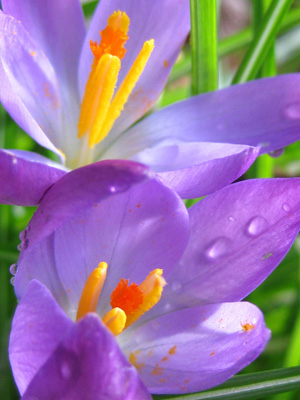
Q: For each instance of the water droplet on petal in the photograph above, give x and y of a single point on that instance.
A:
(292, 111)
(257, 225)
(12, 280)
(13, 269)
(66, 370)
(231, 219)
(176, 286)
(19, 247)
(25, 244)
(112, 189)
(276, 153)
(23, 235)
(219, 247)
(286, 207)
(167, 307)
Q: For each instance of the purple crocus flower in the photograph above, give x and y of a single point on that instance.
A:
(166, 295)
(47, 87)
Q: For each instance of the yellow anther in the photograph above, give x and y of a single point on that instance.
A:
(126, 88)
(99, 91)
(115, 320)
(151, 288)
(91, 291)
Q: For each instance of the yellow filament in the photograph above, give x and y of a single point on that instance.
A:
(91, 291)
(115, 320)
(151, 288)
(98, 94)
(124, 91)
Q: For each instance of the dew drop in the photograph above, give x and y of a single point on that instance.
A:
(25, 244)
(286, 207)
(231, 219)
(219, 247)
(276, 153)
(292, 111)
(176, 286)
(113, 189)
(19, 247)
(257, 225)
(13, 269)
(23, 235)
(12, 280)
(65, 370)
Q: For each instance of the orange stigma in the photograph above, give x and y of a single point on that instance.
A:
(113, 37)
(128, 298)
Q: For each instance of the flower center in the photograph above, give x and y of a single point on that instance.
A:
(100, 107)
(128, 302)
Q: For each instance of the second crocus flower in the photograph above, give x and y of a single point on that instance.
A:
(135, 291)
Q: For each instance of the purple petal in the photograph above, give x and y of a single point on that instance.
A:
(197, 348)
(28, 84)
(38, 326)
(185, 167)
(68, 198)
(53, 358)
(161, 21)
(46, 20)
(87, 364)
(264, 112)
(25, 176)
(238, 237)
(136, 231)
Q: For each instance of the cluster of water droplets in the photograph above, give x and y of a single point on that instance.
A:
(222, 245)
(23, 245)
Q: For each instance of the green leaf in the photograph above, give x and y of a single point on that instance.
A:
(204, 46)
(248, 386)
(262, 41)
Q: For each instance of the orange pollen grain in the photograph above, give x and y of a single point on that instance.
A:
(128, 298)
(248, 326)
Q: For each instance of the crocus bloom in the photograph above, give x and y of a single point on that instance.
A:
(111, 248)
(49, 79)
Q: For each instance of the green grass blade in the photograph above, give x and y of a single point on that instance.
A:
(204, 46)
(89, 8)
(262, 41)
(248, 386)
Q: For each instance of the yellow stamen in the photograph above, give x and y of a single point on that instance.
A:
(151, 288)
(91, 291)
(99, 109)
(115, 320)
(99, 91)
(125, 90)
